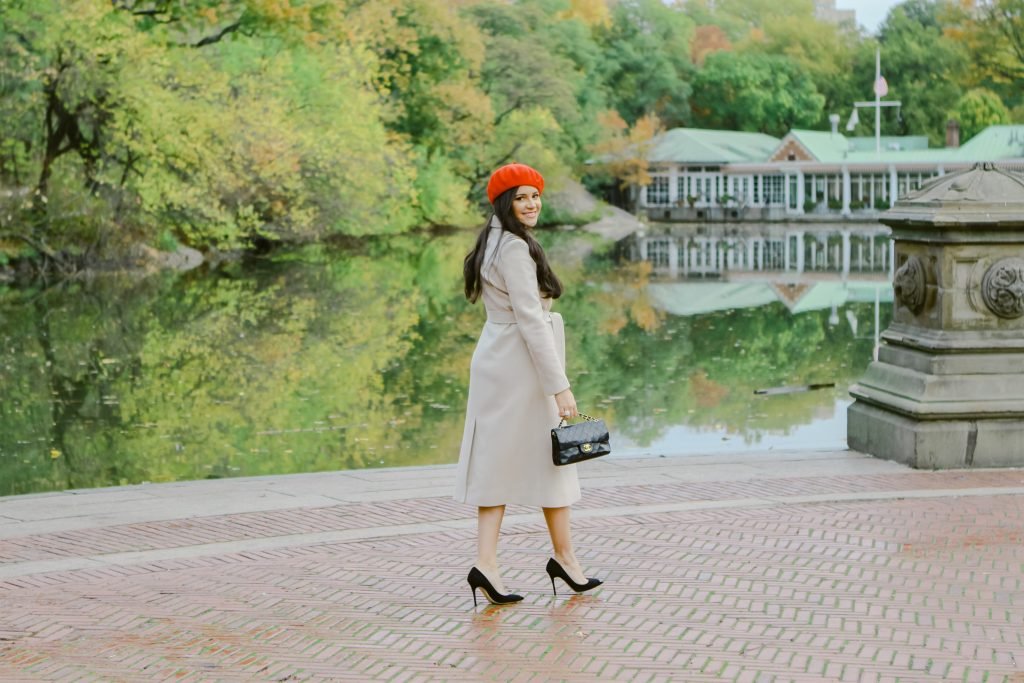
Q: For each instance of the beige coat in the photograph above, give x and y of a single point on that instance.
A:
(517, 368)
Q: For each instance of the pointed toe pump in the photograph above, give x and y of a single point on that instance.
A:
(556, 570)
(477, 579)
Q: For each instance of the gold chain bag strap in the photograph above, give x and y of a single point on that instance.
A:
(578, 442)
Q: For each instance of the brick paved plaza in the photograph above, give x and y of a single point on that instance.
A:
(795, 566)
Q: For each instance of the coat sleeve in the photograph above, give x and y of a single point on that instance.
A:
(519, 271)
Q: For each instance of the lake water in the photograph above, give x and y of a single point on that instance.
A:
(326, 359)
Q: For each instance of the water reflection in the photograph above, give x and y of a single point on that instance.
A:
(797, 251)
(784, 270)
(321, 360)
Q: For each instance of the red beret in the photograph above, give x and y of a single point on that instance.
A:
(513, 175)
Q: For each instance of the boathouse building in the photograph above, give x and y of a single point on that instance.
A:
(699, 175)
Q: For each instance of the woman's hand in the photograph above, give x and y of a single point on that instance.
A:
(566, 404)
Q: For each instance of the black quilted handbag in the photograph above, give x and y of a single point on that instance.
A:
(581, 441)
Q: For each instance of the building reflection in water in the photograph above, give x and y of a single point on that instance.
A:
(701, 268)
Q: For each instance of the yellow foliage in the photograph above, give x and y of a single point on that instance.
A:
(706, 392)
(613, 324)
(282, 11)
(467, 115)
(590, 12)
(646, 317)
(623, 151)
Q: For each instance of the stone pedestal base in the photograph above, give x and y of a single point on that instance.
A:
(935, 444)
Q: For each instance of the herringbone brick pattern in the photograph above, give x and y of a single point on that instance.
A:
(220, 528)
(923, 589)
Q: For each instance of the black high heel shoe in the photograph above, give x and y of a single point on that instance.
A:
(477, 579)
(555, 569)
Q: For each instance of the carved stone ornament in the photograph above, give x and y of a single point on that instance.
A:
(908, 284)
(1002, 288)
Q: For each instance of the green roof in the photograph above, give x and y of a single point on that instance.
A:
(995, 142)
(701, 146)
(828, 147)
(892, 143)
(695, 298)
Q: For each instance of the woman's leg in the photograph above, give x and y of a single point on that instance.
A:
(488, 526)
(561, 540)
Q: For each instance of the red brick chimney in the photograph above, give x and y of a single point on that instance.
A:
(952, 134)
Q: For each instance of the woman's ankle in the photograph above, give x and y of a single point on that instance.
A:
(567, 560)
(489, 567)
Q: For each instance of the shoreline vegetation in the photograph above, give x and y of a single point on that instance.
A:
(170, 132)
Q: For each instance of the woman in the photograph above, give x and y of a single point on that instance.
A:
(518, 390)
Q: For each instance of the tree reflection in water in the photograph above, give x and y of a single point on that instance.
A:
(321, 360)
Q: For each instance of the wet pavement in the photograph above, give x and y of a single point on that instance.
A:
(771, 566)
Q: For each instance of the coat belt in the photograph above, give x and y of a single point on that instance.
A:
(508, 317)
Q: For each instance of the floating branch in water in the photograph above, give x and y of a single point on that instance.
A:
(794, 390)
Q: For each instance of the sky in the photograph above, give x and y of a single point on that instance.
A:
(870, 13)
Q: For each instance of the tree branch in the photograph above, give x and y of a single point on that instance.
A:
(38, 245)
(209, 40)
(511, 153)
(498, 119)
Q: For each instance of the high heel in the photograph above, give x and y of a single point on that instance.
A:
(477, 579)
(556, 570)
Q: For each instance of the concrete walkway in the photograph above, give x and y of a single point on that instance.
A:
(797, 566)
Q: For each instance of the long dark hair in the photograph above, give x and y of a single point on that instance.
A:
(549, 284)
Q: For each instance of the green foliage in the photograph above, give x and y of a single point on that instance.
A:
(767, 94)
(441, 192)
(319, 359)
(647, 67)
(230, 123)
(923, 66)
(553, 214)
(992, 33)
(166, 242)
(978, 109)
(537, 73)
(821, 50)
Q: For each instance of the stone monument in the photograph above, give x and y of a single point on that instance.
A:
(947, 390)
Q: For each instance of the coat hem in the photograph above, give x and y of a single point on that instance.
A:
(527, 503)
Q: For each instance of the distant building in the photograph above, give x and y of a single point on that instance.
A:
(825, 10)
(699, 175)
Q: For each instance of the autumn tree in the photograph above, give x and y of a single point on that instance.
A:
(707, 39)
(923, 66)
(621, 155)
(992, 33)
(825, 52)
(538, 57)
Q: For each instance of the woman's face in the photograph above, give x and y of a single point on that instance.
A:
(526, 205)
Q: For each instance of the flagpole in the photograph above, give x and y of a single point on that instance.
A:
(878, 105)
(881, 88)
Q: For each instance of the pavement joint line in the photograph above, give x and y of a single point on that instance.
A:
(896, 495)
(28, 568)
